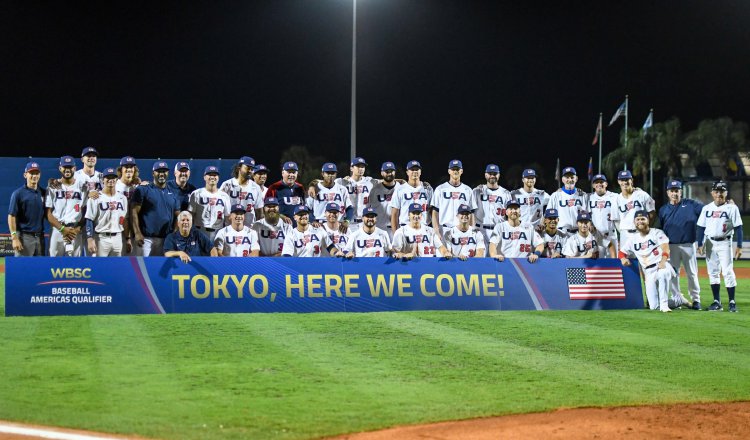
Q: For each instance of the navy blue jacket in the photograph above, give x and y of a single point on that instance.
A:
(679, 221)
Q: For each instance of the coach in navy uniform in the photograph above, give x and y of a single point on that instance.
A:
(187, 241)
(26, 215)
(153, 210)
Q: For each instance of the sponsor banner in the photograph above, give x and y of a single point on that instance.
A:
(136, 285)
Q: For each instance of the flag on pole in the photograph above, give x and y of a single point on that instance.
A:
(591, 168)
(623, 109)
(649, 121)
(598, 131)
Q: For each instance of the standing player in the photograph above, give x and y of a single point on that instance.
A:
(128, 181)
(334, 228)
(271, 229)
(601, 204)
(369, 240)
(65, 208)
(358, 186)
(106, 220)
(181, 186)
(630, 200)
(568, 201)
(327, 192)
(153, 208)
(410, 192)
(243, 190)
(260, 175)
(236, 239)
(679, 219)
(651, 247)
(463, 240)
(288, 192)
(88, 174)
(587, 242)
(448, 197)
(210, 205)
(717, 223)
(26, 215)
(305, 240)
(532, 200)
(512, 239)
(416, 239)
(491, 199)
(553, 238)
(381, 195)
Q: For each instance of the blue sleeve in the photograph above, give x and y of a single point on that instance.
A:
(13, 208)
(169, 244)
(137, 197)
(701, 235)
(738, 234)
(205, 244)
(89, 228)
(698, 208)
(350, 213)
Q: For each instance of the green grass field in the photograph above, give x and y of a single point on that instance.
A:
(300, 376)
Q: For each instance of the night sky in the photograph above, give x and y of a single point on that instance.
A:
(503, 82)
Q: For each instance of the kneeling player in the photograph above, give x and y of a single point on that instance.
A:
(236, 240)
(463, 240)
(587, 242)
(368, 240)
(306, 240)
(416, 239)
(513, 240)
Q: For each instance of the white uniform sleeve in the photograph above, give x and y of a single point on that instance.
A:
(255, 246)
(288, 246)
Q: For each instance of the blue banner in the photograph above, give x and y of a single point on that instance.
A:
(137, 285)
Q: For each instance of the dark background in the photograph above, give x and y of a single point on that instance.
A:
(504, 82)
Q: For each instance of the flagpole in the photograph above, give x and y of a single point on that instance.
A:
(601, 133)
(626, 121)
(353, 116)
(651, 156)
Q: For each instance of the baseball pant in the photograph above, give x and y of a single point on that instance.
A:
(685, 254)
(625, 236)
(657, 283)
(109, 246)
(719, 261)
(58, 247)
(152, 247)
(33, 245)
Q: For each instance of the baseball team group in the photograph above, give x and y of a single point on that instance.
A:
(115, 212)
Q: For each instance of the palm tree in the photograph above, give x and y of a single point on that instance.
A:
(719, 139)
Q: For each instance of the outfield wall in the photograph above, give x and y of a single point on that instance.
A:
(154, 285)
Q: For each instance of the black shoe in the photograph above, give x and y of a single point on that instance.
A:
(715, 307)
(732, 306)
(696, 305)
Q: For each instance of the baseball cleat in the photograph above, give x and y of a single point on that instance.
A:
(715, 307)
(696, 305)
(732, 306)
(665, 309)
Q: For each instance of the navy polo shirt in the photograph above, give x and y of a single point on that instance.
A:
(183, 194)
(27, 206)
(679, 221)
(158, 205)
(289, 197)
(196, 244)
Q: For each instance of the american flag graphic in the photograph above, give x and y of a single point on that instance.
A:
(595, 283)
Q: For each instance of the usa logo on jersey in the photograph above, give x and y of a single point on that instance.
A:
(369, 243)
(514, 235)
(454, 195)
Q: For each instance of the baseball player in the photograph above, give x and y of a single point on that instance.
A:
(236, 239)
(65, 208)
(305, 240)
(333, 227)
(406, 194)
(327, 192)
(260, 175)
(243, 190)
(532, 200)
(271, 229)
(369, 240)
(601, 203)
(491, 199)
(463, 240)
(26, 214)
(128, 180)
(679, 219)
(568, 201)
(587, 242)
(512, 239)
(717, 223)
(359, 187)
(381, 195)
(106, 220)
(153, 208)
(88, 174)
(630, 200)
(553, 238)
(415, 239)
(210, 205)
(448, 196)
(288, 192)
(181, 186)
(186, 241)
(651, 247)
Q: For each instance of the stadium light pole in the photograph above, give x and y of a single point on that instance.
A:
(353, 133)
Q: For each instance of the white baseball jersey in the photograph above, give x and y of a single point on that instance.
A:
(532, 204)
(233, 243)
(490, 205)
(92, 182)
(126, 190)
(568, 206)
(362, 244)
(553, 244)
(577, 245)
(209, 209)
(625, 208)
(271, 237)
(359, 192)
(380, 200)
(601, 209)
(337, 238)
(720, 221)
(308, 243)
(108, 212)
(515, 241)
(67, 202)
(404, 195)
(647, 248)
(464, 243)
(249, 195)
(424, 240)
(336, 193)
(447, 198)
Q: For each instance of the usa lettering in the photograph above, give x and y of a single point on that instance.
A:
(385, 198)
(368, 243)
(531, 201)
(272, 234)
(292, 200)
(454, 195)
(717, 214)
(416, 196)
(601, 204)
(515, 235)
(554, 246)
(491, 198)
(586, 246)
(210, 201)
(570, 203)
(68, 195)
(463, 241)
(418, 239)
(329, 197)
(644, 245)
(306, 240)
(238, 240)
(111, 206)
(630, 205)
(358, 189)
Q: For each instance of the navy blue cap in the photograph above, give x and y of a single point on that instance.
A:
(210, 170)
(160, 165)
(551, 213)
(388, 166)
(462, 208)
(569, 170)
(624, 175)
(358, 161)
(260, 168)
(127, 160)
(89, 150)
(67, 161)
(415, 207)
(238, 208)
(109, 172)
(369, 211)
(301, 209)
(719, 186)
(247, 160)
(271, 201)
(601, 177)
(329, 167)
(641, 213)
(674, 184)
(528, 172)
(290, 166)
(181, 165)
(512, 202)
(492, 168)
(412, 164)
(31, 166)
(455, 163)
(584, 216)
(333, 206)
